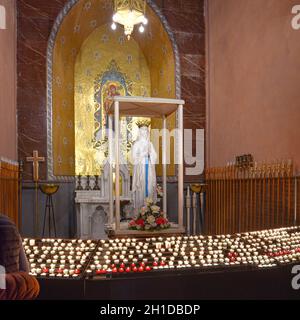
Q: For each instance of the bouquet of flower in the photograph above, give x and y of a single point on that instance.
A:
(150, 218)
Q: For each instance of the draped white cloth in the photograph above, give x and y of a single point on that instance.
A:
(142, 152)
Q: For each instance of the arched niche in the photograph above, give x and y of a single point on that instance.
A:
(73, 26)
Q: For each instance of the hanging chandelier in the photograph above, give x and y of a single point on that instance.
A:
(129, 13)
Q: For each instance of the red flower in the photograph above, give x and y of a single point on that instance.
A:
(140, 222)
(132, 223)
(160, 221)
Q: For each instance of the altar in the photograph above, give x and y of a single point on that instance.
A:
(92, 203)
(100, 209)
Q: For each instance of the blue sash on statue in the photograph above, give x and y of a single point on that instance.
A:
(146, 175)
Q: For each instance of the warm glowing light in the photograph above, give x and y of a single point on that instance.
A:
(130, 13)
(141, 28)
(145, 21)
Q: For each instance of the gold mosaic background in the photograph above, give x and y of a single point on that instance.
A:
(100, 52)
(85, 18)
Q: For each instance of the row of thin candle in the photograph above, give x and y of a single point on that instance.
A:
(253, 198)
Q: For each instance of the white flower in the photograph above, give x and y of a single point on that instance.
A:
(159, 190)
(150, 219)
(148, 201)
(155, 208)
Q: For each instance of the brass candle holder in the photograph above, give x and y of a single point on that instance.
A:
(49, 190)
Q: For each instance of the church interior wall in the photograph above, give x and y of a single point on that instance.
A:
(35, 22)
(253, 80)
(75, 226)
(8, 118)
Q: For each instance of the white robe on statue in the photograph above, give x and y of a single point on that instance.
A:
(144, 176)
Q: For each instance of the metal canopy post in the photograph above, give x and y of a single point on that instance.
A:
(117, 165)
(164, 164)
(110, 158)
(180, 165)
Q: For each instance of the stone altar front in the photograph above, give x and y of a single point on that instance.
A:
(92, 203)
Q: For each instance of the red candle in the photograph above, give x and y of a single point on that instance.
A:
(134, 269)
(101, 271)
(141, 269)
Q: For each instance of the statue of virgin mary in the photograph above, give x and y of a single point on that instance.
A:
(144, 159)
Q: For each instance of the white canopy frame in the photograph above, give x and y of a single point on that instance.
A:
(152, 108)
